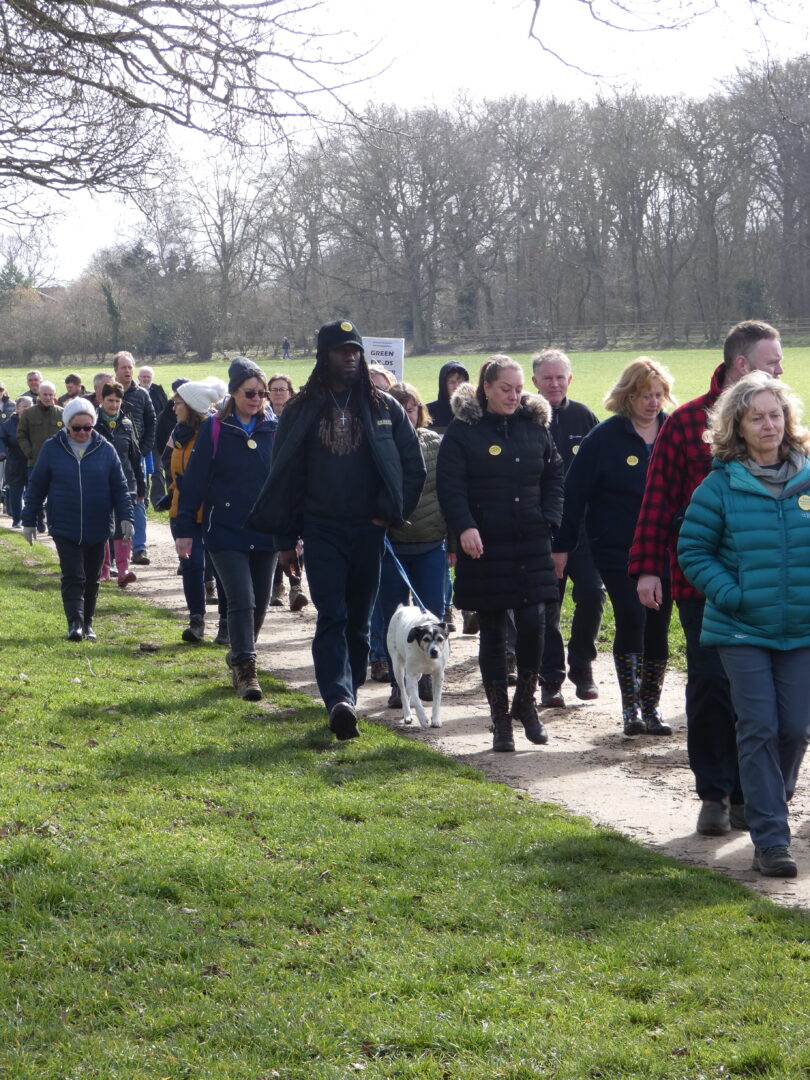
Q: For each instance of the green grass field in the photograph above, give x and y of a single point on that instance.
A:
(594, 373)
(192, 886)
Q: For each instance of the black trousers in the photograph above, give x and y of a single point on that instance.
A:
(711, 738)
(81, 566)
(529, 624)
(638, 629)
(589, 602)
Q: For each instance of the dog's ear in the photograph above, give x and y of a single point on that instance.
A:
(443, 627)
(414, 633)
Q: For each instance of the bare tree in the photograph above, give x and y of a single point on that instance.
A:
(88, 90)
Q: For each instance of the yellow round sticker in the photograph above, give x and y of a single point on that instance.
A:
(804, 502)
(347, 326)
(632, 460)
(494, 450)
(112, 424)
(575, 448)
(251, 444)
(59, 423)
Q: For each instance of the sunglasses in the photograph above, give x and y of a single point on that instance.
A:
(81, 427)
(251, 394)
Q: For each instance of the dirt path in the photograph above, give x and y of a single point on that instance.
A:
(641, 787)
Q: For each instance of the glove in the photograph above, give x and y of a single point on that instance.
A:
(127, 530)
(30, 533)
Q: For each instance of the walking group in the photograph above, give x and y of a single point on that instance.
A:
(490, 498)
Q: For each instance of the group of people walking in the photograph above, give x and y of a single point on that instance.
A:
(706, 504)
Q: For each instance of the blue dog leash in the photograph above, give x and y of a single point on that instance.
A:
(403, 575)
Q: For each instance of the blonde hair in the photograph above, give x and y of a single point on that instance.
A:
(723, 432)
(388, 375)
(635, 378)
(403, 393)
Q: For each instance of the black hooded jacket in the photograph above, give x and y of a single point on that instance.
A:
(440, 412)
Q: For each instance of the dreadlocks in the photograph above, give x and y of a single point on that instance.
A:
(317, 385)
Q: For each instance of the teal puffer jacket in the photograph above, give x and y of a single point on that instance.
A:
(749, 554)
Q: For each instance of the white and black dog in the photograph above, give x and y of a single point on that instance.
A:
(418, 645)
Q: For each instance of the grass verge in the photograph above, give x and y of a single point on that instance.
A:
(194, 886)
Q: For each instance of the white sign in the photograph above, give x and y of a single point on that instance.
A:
(387, 352)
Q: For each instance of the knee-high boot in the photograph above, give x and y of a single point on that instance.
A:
(652, 683)
(525, 709)
(498, 698)
(627, 670)
(122, 553)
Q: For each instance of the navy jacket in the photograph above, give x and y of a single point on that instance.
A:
(81, 494)
(605, 484)
(226, 484)
(16, 461)
(394, 448)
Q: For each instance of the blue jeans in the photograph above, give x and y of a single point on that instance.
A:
(193, 569)
(711, 741)
(426, 573)
(247, 578)
(343, 571)
(769, 692)
(377, 630)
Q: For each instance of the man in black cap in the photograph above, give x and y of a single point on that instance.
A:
(346, 465)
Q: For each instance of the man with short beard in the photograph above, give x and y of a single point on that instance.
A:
(36, 426)
(346, 465)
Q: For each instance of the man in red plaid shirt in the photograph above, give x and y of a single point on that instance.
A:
(680, 462)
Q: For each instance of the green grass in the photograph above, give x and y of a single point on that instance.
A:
(594, 373)
(194, 886)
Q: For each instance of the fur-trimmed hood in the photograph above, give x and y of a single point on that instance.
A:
(466, 407)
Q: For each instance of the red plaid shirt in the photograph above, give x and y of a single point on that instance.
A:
(680, 462)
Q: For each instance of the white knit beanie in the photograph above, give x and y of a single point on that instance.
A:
(76, 406)
(200, 396)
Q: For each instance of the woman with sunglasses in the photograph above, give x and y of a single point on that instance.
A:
(79, 474)
(224, 475)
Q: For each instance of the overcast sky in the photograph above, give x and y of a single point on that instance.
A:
(433, 49)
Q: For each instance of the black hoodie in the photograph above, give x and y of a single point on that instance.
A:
(440, 412)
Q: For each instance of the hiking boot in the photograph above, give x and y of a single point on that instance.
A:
(210, 593)
(75, 631)
(245, 682)
(469, 622)
(89, 633)
(524, 708)
(551, 697)
(736, 816)
(395, 700)
(775, 862)
(298, 599)
(511, 669)
(425, 688)
(141, 558)
(584, 686)
(223, 636)
(448, 619)
(277, 595)
(343, 721)
(195, 631)
(713, 819)
(379, 671)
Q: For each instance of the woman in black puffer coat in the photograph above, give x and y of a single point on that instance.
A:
(500, 484)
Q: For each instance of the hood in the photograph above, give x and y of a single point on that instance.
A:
(466, 407)
(440, 411)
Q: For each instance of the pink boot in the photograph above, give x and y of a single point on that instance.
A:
(105, 566)
(123, 548)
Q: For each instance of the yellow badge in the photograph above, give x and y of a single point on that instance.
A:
(494, 450)
(59, 423)
(347, 326)
(575, 448)
(251, 444)
(632, 460)
(112, 424)
(804, 502)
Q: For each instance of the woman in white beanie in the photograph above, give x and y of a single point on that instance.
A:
(193, 402)
(79, 473)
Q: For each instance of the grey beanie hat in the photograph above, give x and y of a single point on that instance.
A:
(76, 406)
(241, 369)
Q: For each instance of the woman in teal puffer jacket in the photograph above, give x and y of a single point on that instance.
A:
(745, 543)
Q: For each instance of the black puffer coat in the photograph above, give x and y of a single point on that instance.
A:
(503, 476)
